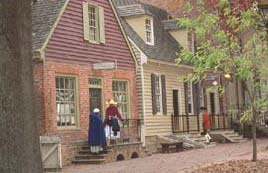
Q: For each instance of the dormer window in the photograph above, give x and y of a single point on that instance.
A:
(93, 23)
(149, 37)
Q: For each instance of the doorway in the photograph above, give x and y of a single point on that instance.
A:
(176, 102)
(177, 119)
(95, 101)
(212, 103)
(95, 94)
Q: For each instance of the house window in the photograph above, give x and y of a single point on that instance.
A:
(93, 23)
(202, 98)
(190, 97)
(158, 94)
(66, 101)
(121, 96)
(191, 42)
(159, 102)
(149, 37)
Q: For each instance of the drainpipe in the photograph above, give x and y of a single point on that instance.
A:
(143, 128)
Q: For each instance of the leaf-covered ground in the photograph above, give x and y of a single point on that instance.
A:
(236, 166)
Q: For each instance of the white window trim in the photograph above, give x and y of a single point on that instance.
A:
(100, 23)
(201, 98)
(152, 31)
(160, 89)
(97, 40)
(190, 84)
(76, 101)
(129, 116)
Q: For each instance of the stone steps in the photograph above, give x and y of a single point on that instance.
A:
(85, 156)
(89, 152)
(90, 156)
(88, 161)
(230, 136)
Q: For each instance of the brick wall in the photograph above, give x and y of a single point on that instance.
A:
(38, 92)
(46, 99)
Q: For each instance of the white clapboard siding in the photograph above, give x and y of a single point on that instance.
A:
(161, 124)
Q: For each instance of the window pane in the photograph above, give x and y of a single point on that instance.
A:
(65, 101)
(190, 97)
(148, 29)
(158, 93)
(93, 23)
(120, 94)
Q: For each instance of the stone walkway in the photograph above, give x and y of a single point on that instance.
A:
(176, 162)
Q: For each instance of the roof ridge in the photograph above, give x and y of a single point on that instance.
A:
(45, 14)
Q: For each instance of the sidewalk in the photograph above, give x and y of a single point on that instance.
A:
(175, 162)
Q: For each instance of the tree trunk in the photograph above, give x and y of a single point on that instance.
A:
(19, 139)
(254, 158)
(254, 114)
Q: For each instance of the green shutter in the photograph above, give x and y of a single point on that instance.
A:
(101, 24)
(186, 97)
(164, 97)
(153, 80)
(86, 21)
(196, 97)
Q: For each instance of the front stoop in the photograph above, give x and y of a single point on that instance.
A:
(228, 135)
(85, 156)
(112, 153)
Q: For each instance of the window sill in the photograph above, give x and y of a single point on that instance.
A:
(68, 129)
(94, 42)
(148, 43)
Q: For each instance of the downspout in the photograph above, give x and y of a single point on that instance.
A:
(143, 137)
(143, 106)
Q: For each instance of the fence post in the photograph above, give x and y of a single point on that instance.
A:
(188, 124)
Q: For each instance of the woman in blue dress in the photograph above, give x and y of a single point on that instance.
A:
(96, 134)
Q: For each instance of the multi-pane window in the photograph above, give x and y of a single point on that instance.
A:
(191, 42)
(93, 23)
(201, 98)
(120, 94)
(158, 95)
(149, 31)
(190, 97)
(159, 102)
(66, 101)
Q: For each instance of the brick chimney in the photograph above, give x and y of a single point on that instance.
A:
(172, 6)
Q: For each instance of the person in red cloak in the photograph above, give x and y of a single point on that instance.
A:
(111, 117)
(206, 123)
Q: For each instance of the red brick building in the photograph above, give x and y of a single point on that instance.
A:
(81, 59)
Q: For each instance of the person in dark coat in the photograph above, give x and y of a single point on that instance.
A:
(206, 123)
(96, 134)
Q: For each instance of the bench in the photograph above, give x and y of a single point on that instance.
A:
(167, 147)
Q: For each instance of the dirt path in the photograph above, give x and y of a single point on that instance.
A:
(176, 162)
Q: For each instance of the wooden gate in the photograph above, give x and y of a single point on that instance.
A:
(51, 152)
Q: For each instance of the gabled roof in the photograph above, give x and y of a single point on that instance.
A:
(171, 24)
(44, 16)
(165, 47)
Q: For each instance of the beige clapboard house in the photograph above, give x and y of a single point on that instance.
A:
(166, 103)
